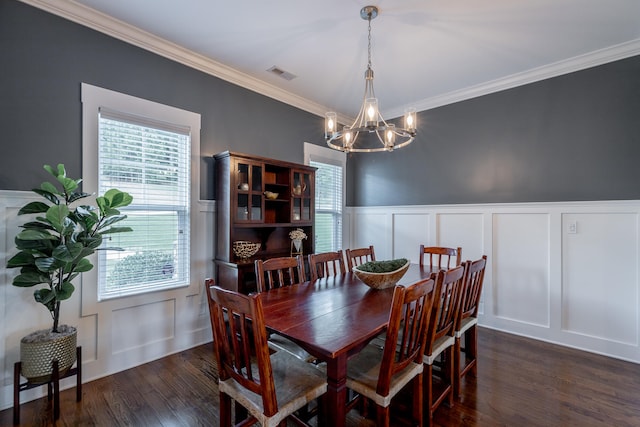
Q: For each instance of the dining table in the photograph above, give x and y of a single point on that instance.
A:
(333, 318)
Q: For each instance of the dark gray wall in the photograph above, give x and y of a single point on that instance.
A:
(573, 137)
(43, 60)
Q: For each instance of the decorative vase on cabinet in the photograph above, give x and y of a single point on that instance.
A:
(245, 212)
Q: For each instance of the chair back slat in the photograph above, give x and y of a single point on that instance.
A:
(356, 257)
(240, 342)
(326, 264)
(446, 304)
(278, 272)
(406, 333)
(440, 256)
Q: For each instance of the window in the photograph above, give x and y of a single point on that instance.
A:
(148, 154)
(329, 195)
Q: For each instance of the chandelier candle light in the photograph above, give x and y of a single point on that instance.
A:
(369, 119)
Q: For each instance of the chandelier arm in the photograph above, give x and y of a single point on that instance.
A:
(404, 144)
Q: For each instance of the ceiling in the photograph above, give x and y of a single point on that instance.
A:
(425, 53)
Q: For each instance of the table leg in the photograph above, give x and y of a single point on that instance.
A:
(336, 391)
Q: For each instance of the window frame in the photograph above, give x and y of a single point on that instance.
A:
(313, 152)
(93, 99)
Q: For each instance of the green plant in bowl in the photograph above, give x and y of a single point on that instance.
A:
(382, 274)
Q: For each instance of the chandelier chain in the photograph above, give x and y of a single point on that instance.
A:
(369, 41)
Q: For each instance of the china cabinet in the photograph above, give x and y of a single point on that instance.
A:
(259, 200)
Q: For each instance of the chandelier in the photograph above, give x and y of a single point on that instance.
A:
(369, 119)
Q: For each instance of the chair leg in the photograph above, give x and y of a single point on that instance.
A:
(382, 416)
(470, 352)
(457, 374)
(427, 396)
(448, 373)
(225, 410)
(471, 348)
(322, 409)
(417, 401)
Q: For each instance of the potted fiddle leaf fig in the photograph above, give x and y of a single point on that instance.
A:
(53, 250)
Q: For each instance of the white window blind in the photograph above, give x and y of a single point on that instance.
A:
(329, 202)
(149, 160)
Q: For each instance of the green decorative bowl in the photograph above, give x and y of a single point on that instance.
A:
(380, 280)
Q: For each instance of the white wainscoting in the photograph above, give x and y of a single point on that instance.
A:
(117, 334)
(565, 273)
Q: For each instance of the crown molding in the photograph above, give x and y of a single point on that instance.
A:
(577, 63)
(103, 23)
(98, 21)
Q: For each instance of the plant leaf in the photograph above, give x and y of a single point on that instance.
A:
(48, 264)
(51, 170)
(33, 208)
(118, 198)
(37, 225)
(44, 246)
(47, 195)
(68, 252)
(83, 266)
(116, 230)
(77, 196)
(57, 215)
(35, 235)
(69, 185)
(92, 243)
(49, 188)
(65, 291)
(44, 296)
(112, 220)
(20, 259)
(28, 279)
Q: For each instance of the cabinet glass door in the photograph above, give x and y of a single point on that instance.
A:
(301, 196)
(248, 190)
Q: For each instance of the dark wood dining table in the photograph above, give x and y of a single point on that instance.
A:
(333, 318)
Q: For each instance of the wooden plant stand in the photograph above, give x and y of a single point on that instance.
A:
(54, 383)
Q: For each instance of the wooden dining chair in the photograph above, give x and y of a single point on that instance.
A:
(441, 338)
(278, 272)
(275, 273)
(270, 387)
(378, 373)
(355, 257)
(326, 264)
(465, 359)
(440, 256)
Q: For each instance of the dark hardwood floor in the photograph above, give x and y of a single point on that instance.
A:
(521, 382)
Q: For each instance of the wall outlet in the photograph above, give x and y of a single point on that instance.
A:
(573, 227)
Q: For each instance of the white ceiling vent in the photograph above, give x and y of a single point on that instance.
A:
(281, 73)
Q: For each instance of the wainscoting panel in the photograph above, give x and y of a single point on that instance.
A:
(409, 231)
(521, 277)
(371, 229)
(599, 285)
(154, 322)
(464, 230)
(566, 272)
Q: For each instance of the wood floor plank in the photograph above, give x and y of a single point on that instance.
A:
(521, 382)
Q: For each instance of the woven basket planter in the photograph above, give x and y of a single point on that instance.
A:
(40, 348)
